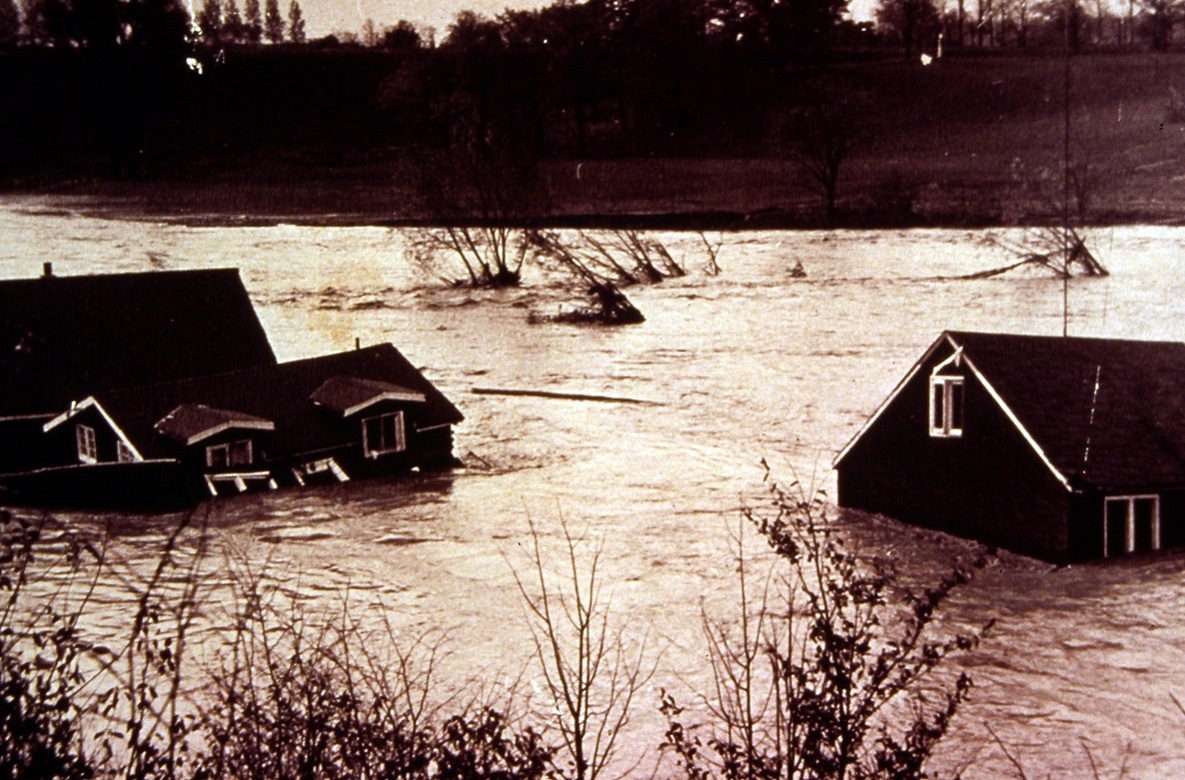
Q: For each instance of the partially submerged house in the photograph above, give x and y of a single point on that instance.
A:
(62, 337)
(1063, 448)
(242, 421)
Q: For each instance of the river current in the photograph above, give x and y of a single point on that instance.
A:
(749, 365)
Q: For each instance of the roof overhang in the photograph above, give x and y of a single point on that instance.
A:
(415, 398)
(347, 396)
(228, 423)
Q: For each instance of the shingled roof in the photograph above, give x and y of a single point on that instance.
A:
(281, 394)
(62, 337)
(1104, 412)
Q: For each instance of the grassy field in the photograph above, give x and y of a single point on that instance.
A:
(975, 140)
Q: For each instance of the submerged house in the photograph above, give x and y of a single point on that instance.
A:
(236, 421)
(1062, 448)
(62, 337)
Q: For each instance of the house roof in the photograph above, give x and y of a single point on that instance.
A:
(1104, 412)
(348, 395)
(63, 337)
(281, 394)
(191, 423)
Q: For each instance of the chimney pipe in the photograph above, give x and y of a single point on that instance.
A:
(47, 269)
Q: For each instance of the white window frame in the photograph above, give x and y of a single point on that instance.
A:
(124, 453)
(227, 448)
(87, 446)
(950, 427)
(383, 447)
(1129, 531)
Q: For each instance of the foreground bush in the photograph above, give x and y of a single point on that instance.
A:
(819, 675)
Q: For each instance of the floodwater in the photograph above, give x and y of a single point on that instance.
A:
(748, 365)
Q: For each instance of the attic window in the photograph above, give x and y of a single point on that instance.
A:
(383, 434)
(84, 438)
(946, 406)
(124, 453)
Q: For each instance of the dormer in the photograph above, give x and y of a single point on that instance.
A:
(229, 436)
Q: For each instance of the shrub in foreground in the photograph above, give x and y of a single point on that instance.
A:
(821, 674)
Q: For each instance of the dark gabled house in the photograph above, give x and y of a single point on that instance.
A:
(63, 337)
(251, 423)
(1062, 448)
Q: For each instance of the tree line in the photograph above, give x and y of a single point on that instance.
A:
(139, 88)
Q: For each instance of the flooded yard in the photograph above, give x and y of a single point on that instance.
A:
(748, 365)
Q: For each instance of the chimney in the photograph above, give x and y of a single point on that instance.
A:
(47, 270)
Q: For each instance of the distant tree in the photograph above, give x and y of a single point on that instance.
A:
(786, 30)
(370, 35)
(296, 32)
(47, 22)
(1160, 17)
(402, 36)
(470, 31)
(209, 21)
(821, 133)
(160, 26)
(10, 23)
(273, 23)
(94, 25)
(253, 23)
(233, 29)
(911, 23)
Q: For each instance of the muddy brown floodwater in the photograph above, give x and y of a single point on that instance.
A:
(752, 364)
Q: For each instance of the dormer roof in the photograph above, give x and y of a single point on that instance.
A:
(193, 423)
(348, 395)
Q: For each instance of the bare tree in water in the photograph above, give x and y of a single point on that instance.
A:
(479, 180)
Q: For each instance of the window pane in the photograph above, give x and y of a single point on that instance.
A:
(372, 430)
(240, 453)
(937, 422)
(956, 405)
(389, 437)
(1116, 528)
(1143, 510)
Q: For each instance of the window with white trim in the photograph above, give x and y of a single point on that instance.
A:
(84, 439)
(230, 454)
(124, 453)
(1131, 524)
(383, 434)
(946, 405)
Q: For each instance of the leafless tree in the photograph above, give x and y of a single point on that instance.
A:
(591, 675)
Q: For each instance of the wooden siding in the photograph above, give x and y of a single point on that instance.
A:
(987, 484)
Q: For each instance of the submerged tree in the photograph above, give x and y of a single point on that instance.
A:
(477, 171)
(820, 678)
(607, 305)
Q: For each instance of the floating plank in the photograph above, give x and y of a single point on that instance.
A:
(609, 399)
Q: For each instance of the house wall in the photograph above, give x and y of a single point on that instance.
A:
(988, 484)
(22, 444)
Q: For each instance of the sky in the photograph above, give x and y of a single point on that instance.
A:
(323, 17)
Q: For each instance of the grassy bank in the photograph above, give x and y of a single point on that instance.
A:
(970, 140)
